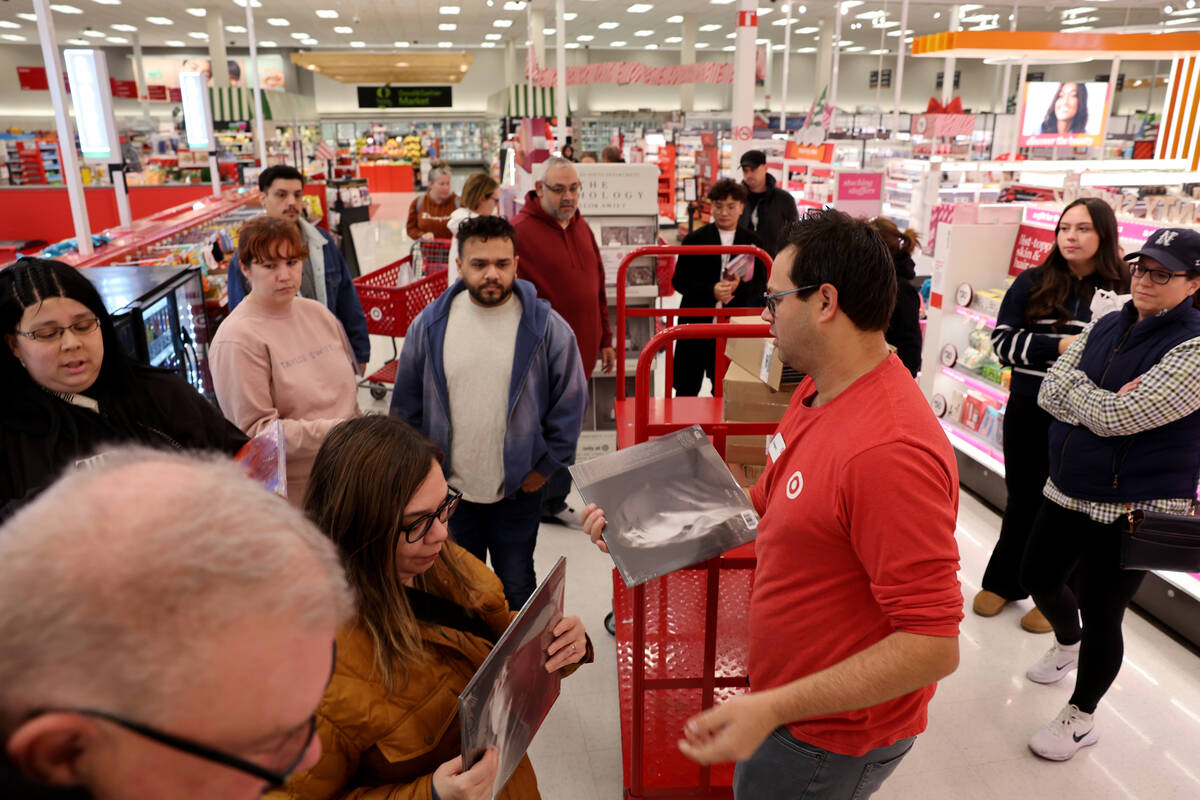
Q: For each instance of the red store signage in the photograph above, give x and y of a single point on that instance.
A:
(124, 88)
(154, 92)
(32, 79)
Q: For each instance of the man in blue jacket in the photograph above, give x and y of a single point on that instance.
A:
(326, 277)
(492, 375)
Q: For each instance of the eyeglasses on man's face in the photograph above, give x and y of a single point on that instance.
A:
(1160, 277)
(771, 301)
(415, 531)
(55, 332)
(290, 752)
(573, 189)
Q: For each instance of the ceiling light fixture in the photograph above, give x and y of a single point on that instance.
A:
(242, 3)
(197, 12)
(16, 37)
(310, 42)
(492, 37)
(29, 17)
(177, 43)
(447, 26)
(278, 22)
(445, 44)
(701, 45)
(95, 34)
(548, 31)
(585, 37)
(616, 44)
(639, 8)
(358, 44)
(117, 40)
(449, 11)
(514, 5)
(107, 2)
(675, 19)
(260, 44)
(235, 29)
(502, 23)
(570, 16)
(400, 44)
(572, 45)
(327, 13)
(491, 44)
(643, 33)
(707, 28)
(343, 29)
(66, 9)
(159, 21)
(673, 39)
(608, 26)
(198, 34)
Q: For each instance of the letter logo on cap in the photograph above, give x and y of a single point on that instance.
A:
(1166, 237)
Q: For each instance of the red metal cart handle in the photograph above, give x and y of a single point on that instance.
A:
(672, 250)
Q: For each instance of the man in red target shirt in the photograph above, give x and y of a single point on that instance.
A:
(856, 602)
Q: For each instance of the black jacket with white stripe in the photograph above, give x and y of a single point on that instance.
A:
(1028, 348)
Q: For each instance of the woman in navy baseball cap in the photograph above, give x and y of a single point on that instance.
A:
(1126, 436)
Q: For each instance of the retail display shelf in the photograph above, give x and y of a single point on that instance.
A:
(1182, 580)
(632, 291)
(970, 443)
(976, 382)
(975, 315)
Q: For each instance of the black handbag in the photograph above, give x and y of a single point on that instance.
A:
(1160, 541)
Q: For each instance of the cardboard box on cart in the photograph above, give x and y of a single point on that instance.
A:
(748, 399)
(759, 357)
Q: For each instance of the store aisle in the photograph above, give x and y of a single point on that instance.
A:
(980, 720)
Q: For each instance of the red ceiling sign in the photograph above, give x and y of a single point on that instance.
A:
(124, 88)
(156, 92)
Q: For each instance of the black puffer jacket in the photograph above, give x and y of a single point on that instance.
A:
(904, 331)
(776, 211)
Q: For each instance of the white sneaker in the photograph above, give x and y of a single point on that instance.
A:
(568, 517)
(1054, 666)
(1062, 738)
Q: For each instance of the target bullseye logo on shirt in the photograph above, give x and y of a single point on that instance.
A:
(795, 485)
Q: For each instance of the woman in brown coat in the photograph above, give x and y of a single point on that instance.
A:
(428, 615)
(429, 213)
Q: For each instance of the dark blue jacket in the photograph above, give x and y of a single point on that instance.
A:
(1162, 462)
(340, 296)
(546, 398)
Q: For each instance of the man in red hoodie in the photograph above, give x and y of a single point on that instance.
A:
(558, 254)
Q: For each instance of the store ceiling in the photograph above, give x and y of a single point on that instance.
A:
(378, 25)
(404, 68)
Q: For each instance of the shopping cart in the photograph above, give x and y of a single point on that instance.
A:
(391, 308)
(429, 255)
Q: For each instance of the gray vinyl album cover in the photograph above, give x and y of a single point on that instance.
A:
(670, 502)
(511, 693)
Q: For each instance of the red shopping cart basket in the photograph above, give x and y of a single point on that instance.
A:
(429, 255)
(390, 309)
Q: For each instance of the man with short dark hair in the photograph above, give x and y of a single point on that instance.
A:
(856, 603)
(769, 210)
(492, 375)
(326, 277)
(705, 281)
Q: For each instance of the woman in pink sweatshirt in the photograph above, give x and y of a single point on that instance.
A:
(282, 357)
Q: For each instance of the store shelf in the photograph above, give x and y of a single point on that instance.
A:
(980, 383)
(972, 444)
(975, 315)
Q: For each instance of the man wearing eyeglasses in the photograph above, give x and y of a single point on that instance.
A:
(856, 603)
(168, 631)
(559, 255)
(491, 374)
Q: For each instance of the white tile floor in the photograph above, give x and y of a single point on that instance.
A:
(979, 722)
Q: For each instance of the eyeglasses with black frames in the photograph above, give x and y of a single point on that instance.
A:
(416, 530)
(574, 189)
(1160, 277)
(771, 301)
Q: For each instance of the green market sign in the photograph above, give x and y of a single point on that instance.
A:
(404, 97)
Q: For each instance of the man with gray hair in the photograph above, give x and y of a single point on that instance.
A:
(168, 631)
(558, 254)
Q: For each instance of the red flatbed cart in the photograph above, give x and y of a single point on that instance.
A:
(682, 640)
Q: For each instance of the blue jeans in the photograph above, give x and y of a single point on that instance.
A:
(507, 529)
(785, 768)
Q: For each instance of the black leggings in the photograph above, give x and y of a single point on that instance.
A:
(1063, 540)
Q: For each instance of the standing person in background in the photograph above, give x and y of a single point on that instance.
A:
(611, 155)
(282, 357)
(904, 331)
(704, 282)
(168, 630)
(429, 213)
(1042, 313)
(559, 256)
(492, 375)
(1125, 438)
(480, 197)
(769, 211)
(326, 277)
(588, 157)
(568, 152)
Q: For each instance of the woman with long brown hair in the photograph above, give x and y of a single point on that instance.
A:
(428, 614)
(904, 331)
(1042, 313)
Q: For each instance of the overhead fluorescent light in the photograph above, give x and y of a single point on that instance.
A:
(79, 42)
(809, 29)
(643, 34)
(449, 11)
(445, 44)
(806, 50)
(117, 40)
(198, 35)
(585, 37)
(16, 37)
(107, 2)
(673, 39)
(95, 34)
(343, 29)
(447, 26)
(856, 49)
(879, 52)
(197, 12)
(492, 44)
(309, 42)
(616, 44)
(967, 8)
(729, 48)
(707, 28)
(400, 44)
(608, 26)
(6, 24)
(28, 17)
(301, 35)
(701, 45)
(572, 45)
(492, 37)
(514, 5)
(675, 19)
(278, 22)
(253, 3)
(720, 2)
(548, 31)
(327, 13)
(235, 28)
(159, 21)
(66, 9)
(120, 26)
(639, 8)
(570, 16)
(260, 44)
(502, 23)
(358, 44)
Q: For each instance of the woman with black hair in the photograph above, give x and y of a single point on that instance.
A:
(1042, 313)
(70, 390)
(1069, 111)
